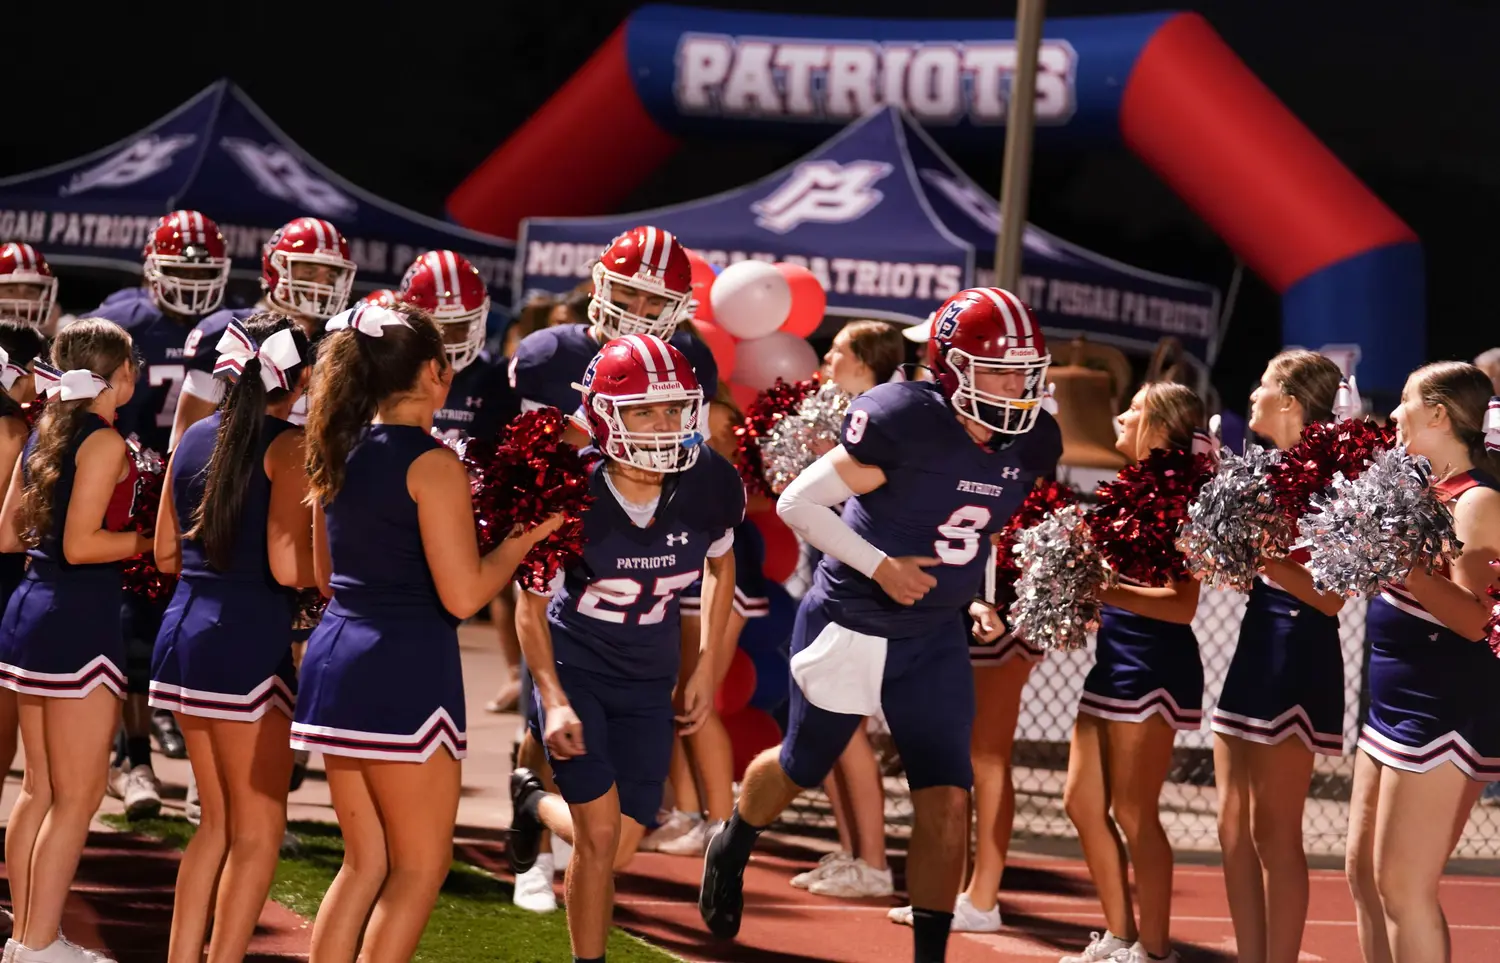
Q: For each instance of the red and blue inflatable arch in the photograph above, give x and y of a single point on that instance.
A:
(1349, 270)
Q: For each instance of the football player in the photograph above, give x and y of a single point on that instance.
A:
(604, 648)
(28, 290)
(185, 270)
(926, 472)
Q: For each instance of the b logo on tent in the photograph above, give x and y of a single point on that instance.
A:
(277, 173)
(145, 158)
(822, 192)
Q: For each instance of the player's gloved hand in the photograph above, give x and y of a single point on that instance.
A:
(563, 734)
(903, 578)
(697, 699)
(988, 626)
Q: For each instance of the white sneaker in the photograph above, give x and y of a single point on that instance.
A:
(562, 852)
(826, 865)
(1138, 954)
(675, 826)
(966, 919)
(855, 879)
(694, 841)
(141, 792)
(1102, 946)
(10, 950)
(533, 890)
(62, 950)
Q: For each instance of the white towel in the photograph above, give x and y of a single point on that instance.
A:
(842, 671)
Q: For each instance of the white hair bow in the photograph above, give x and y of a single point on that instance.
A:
(1207, 442)
(68, 385)
(277, 355)
(1347, 404)
(9, 372)
(1492, 425)
(367, 319)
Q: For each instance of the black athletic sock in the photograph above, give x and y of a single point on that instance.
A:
(588, 959)
(138, 748)
(531, 806)
(739, 838)
(930, 935)
(122, 749)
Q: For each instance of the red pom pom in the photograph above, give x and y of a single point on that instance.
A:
(1140, 513)
(1492, 627)
(1044, 499)
(32, 410)
(769, 407)
(140, 576)
(520, 481)
(1327, 448)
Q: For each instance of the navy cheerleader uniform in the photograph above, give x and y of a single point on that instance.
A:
(52, 639)
(224, 650)
(1432, 691)
(1144, 667)
(1287, 675)
(381, 678)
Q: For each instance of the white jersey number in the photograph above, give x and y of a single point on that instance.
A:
(625, 592)
(960, 541)
(172, 375)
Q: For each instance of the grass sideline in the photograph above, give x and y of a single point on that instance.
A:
(474, 919)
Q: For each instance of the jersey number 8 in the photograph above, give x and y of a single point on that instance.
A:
(960, 541)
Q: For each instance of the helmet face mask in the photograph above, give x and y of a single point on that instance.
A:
(673, 450)
(463, 336)
(28, 289)
(185, 264)
(1007, 411)
(306, 269)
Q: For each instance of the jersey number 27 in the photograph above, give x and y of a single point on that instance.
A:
(625, 592)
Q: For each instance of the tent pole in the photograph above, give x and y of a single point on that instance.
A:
(1019, 123)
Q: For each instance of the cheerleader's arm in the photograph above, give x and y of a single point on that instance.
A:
(167, 541)
(1459, 601)
(1177, 602)
(1297, 580)
(10, 510)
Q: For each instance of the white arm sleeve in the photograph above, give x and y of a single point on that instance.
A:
(201, 384)
(806, 507)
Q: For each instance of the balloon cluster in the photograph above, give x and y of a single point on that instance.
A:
(1235, 521)
(1374, 529)
(1140, 514)
(1057, 595)
(787, 428)
(1043, 500)
(519, 481)
(140, 575)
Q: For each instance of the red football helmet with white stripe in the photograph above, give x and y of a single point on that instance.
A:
(383, 297)
(643, 370)
(989, 356)
(186, 264)
(306, 269)
(27, 288)
(449, 288)
(642, 283)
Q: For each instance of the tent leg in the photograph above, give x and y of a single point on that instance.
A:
(1020, 122)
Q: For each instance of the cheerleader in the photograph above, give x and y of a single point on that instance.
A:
(1282, 701)
(234, 521)
(1146, 685)
(1431, 739)
(70, 496)
(381, 687)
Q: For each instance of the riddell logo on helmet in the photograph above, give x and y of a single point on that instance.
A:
(1018, 354)
(661, 387)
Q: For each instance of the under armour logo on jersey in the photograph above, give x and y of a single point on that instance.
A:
(677, 539)
(1010, 472)
(473, 402)
(145, 158)
(824, 192)
(277, 173)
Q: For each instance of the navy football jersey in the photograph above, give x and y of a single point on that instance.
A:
(616, 612)
(201, 350)
(943, 497)
(159, 342)
(480, 401)
(550, 361)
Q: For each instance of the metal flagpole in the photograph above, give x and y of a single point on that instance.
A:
(1020, 121)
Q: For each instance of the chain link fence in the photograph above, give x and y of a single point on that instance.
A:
(1189, 802)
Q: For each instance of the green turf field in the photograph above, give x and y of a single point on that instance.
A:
(473, 921)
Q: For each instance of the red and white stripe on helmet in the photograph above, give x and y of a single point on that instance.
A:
(642, 283)
(979, 334)
(28, 289)
(446, 286)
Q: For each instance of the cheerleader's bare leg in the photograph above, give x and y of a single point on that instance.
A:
(1140, 756)
(998, 698)
(1086, 797)
(346, 906)
(30, 807)
(1359, 859)
(198, 873)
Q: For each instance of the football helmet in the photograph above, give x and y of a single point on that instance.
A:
(983, 331)
(384, 297)
(186, 264)
(653, 262)
(450, 290)
(22, 266)
(642, 369)
(289, 265)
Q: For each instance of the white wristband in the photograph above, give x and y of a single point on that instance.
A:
(806, 507)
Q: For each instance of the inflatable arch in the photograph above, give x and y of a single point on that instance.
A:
(1349, 271)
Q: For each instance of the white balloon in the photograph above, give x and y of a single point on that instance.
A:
(750, 299)
(760, 361)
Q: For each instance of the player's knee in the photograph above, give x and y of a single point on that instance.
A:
(596, 840)
(942, 812)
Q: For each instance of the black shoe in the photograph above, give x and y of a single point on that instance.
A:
(168, 736)
(525, 836)
(722, 896)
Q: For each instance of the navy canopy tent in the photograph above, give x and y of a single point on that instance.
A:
(892, 226)
(218, 153)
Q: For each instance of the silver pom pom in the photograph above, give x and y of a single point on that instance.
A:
(1234, 522)
(803, 436)
(1375, 529)
(1057, 595)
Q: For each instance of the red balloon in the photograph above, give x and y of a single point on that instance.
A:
(809, 300)
(742, 395)
(720, 344)
(703, 279)
(751, 732)
(782, 550)
(738, 687)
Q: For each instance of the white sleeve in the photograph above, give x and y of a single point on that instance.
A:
(806, 507)
(722, 545)
(202, 385)
(528, 405)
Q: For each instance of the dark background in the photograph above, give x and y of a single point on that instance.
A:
(405, 100)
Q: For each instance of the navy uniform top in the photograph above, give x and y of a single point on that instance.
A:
(480, 401)
(943, 497)
(550, 361)
(160, 343)
(616, 611)
(190, 476)
(379, 565)
(48, 549)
